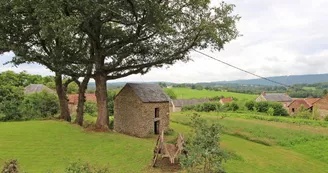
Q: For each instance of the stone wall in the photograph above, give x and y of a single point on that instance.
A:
(135, 118)
(322, 106)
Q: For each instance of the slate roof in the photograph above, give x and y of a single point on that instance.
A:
(149, 93)
(36, 88)
(277, 97)
(74, 98)
(188, 102)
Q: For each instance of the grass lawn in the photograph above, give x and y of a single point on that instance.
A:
(187, 93)
(51, 145)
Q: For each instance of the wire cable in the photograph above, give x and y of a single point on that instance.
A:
(238, 68)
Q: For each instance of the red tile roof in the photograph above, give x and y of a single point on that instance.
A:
(73, 98)
(226, 100)
(307, 102)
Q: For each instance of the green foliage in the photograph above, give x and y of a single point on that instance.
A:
(78, 167)
(11, 98)
(250, 105)
(203, 148)
(90, 108)
(171, 93)
(326, 118)
(204, 107)
(303, 113)
(233, 106)
(263, 107)
(270, 111)
(39, 105)
(110, 97)
(72, 88)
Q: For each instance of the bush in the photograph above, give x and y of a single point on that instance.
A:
(110, 97)
(230, 107)
(10, 167)
(250, 105)
(90, 108)
(188, 108)
(326, 118)
(78, 167)
(39, 105)
(10, 100)
(270, 111)
(204, 152)
(279, 110)
(171, 93)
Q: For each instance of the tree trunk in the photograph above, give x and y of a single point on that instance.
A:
(63, 103)
(101, 94)
(81, 100)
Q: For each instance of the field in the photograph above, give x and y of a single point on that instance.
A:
(187, 93)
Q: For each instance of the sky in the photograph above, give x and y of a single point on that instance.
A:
(279, 37)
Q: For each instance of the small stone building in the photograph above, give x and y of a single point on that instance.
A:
(226, 100)
(322, 106)
(141, 110)
(73, 100)
(306, 103)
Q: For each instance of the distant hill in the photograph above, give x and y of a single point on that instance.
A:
(288, 80)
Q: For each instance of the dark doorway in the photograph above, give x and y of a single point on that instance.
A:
(293, 109)
(156, 112)
(156, 127)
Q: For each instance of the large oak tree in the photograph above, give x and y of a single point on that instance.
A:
(132, 36)
(43, 32)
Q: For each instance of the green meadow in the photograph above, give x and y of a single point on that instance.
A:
(187, 93)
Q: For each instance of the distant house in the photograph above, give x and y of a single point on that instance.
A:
(37, 88)
(322, 105)
(226, 100)
(296, 104)
(176, 105)
(282, 98)
(74, 98)
(141, 109)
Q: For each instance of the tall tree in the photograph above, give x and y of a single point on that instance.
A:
(45, 32)
(132, 36)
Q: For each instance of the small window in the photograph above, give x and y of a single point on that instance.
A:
(156, 112)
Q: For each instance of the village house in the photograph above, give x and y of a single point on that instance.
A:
(226, 100)
(37, 88)
(141, 110)
(306, 103)
(322, 106)
(176, 105)
(74, 98)
(282, 98)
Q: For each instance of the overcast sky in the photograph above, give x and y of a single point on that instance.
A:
(280, 37)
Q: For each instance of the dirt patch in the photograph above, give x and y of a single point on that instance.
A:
(164, 165)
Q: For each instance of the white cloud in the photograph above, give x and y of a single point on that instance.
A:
(279, 38)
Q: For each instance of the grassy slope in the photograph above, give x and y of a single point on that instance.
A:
(305, 139)
(187, 93)
(51, 145)
(252, 157)
(44, 145)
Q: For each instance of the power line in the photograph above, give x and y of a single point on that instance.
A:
(287, 86)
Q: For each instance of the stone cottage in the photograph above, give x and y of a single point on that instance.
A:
(177, 105)
(141, 110)
(306, 103)
(37, 88)
(282, 98)
(73, 100)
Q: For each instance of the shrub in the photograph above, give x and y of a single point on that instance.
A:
(10, 100)
(188, 108)
(110, 97)
(233, 106)
(326, 118)
(171, 93)
(10, 167)
(90, 108)
(270, 111)
(209, 107)
(250, 105)
(78, 167)
(39, 105)
(204, 152)
(262, 106)
(279, 110)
